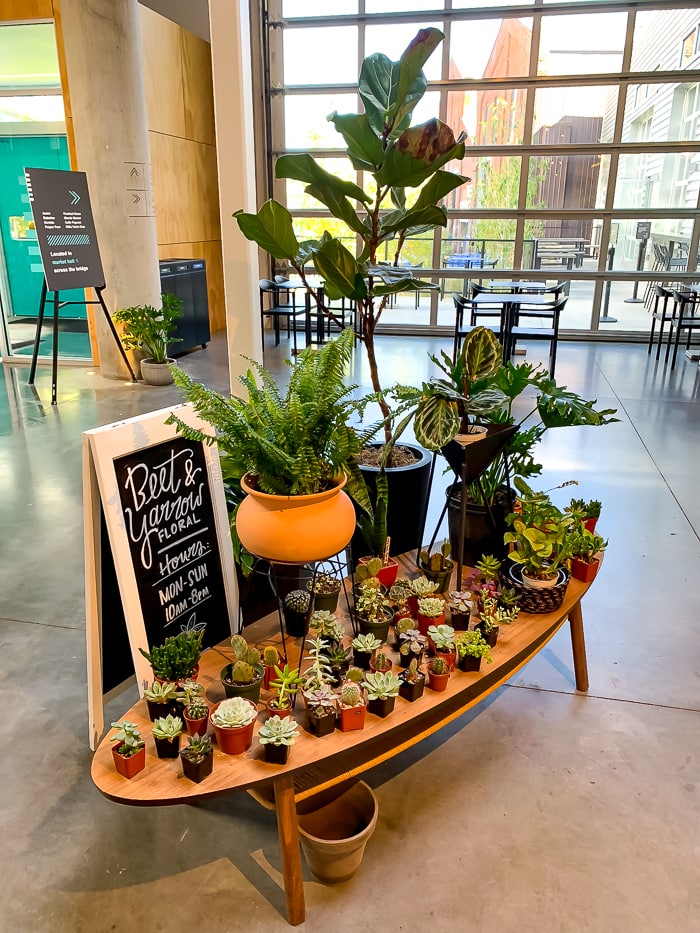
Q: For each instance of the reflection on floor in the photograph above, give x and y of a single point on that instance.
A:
(551, 811)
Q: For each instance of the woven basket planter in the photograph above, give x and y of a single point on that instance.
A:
(540, 599)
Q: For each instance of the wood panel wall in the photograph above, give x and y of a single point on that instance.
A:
(180, 108)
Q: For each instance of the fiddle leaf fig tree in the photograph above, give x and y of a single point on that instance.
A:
(382, 143)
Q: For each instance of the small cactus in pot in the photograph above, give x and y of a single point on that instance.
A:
(296, 606)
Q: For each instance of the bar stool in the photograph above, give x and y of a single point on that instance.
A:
(683, 318)
(660, 293)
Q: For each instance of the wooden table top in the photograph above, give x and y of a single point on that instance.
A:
(318, 763)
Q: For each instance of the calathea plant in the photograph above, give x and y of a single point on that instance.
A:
(398, 157)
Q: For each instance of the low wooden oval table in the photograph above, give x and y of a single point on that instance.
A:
(317, 764)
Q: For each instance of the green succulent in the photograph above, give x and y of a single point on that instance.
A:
(161, 692)
(167, 727)
(431, 607)
(234, 713)
(297, 601)
(366, 643)
(276, 731)
(271, 656)
(439, 665)
(287, 682)
(422, 586)
(381, 662)
(437, 561)
(350, 694)
(324, 623)
(198, 747)
(443, 637)
(472, 643)
(197, 708)
(128, 739)
(178, 656)
(381, 685)
(355, 675)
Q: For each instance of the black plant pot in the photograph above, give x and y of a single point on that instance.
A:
(409, 488)
(321, 725)
(296, 623)
(483, 531)
(276, 754)
(381, 707)
(157, 710)
(248, 691)
(489, 637)
(361, 659)
(469, 663)
(165, 748)
(197, 770)
(412, 690)
(380, 629)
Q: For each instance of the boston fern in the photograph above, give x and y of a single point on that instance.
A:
(294, 442)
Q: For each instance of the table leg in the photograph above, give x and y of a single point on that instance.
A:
(578, 647)
(289, 847)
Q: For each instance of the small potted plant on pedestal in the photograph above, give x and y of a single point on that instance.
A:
(197, 758)
(352, 707)
(233, 721)
(471, 648)
(129, 749)
(243, 677)
(287, 682)
(431, 612)
(166, 734)
(363, 646)
(277, 735)
(438, 673)
(437, 568)
(177, 659)
(382, 689)
(326, 589)
(441, 640)
(412, 682)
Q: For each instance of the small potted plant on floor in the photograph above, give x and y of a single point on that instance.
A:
(276, 736)
(243, 677)
(197, 758)
(437, 568)
(326, 589)
(166, 734)
(438, 673)
(412, 646)
(129, 749)
(177, 659)
(296, 609)
(147, 328)
(471, 648)
(161, 698)
(431, 611)
(321, 708)
(586, 552)
(382, 689)
(270, 658)
(373, 615)
(352, 707)
(441, 641)
(287, 682)
(412, 682)
(233, 721)
(363, 647)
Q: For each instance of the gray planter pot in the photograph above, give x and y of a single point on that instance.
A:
(156, 374)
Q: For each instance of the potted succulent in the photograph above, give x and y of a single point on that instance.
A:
(398, 595)
(436, 567)
(294, 449)
(441, 639)
(287, 682)
(412, 682)
(196, 711)
(420, 587)
(177, 659)
(296, 608)
(243, 677)
(161, 698)
(147, 328)
(460, 605)
(270, 658)
(129, 749)
(197, 757)
(362, 648)
(352, 707)
(233, 721)
(585, 553)
(373, 615)
(431, 611)
(586, 512)
(438, 673)
(471, 648)
(325, 625)
(380, 661)
(412, 645)
(321, 708)
(166, 734)
(319, 673)
(326, 589)
(382, 689)
(492, 615)
(276, 736)
(339, 659)
(384, 569)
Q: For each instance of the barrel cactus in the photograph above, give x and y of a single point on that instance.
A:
(350, 694)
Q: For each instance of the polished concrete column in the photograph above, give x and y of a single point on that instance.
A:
(105, 84)
(235, 144)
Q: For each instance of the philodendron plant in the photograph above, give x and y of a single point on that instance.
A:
(398, 157)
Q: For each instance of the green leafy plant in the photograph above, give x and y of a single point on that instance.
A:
(196, 708)
(128, 738)
(148, 328)
(382, 143)
(399, 592)
(234, 713)
(494, 613)
(473, 644)
(287, 682)
(167, 727)
(178, 656)
(319, 673)
(586, 544)
(583, 510)
(293, 442)
(278, 731)
(543, 535)
(380, 685)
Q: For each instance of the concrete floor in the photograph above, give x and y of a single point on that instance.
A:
(542, 811)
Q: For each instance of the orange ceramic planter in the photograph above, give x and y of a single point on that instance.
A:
(295, 529)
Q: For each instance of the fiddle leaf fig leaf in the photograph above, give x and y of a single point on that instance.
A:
(339, 206)
(411, 75)
(304, 167)
(271, 228)
(437, 187)
(364, 146)
(343, 277)
(418, 153)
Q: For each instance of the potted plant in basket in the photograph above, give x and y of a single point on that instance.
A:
(382, 689)
(150, 329)
(129, 749)
(412, 682)
(177, 659)
(166, 733)
(585, 552)
(244, 675)
(471, 648)
(277, 735)
(197, 758)
(233, 721)
(293, 448)
(352, 707)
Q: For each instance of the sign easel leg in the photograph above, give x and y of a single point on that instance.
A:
(39, 325)
(54, 360)
(98, 291)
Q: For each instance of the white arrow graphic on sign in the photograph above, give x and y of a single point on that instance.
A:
(75, 197)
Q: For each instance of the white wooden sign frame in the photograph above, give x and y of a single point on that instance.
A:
(101, 447)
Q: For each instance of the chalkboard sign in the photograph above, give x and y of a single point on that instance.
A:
(161, 498)
(65, 228)
(166, 503)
